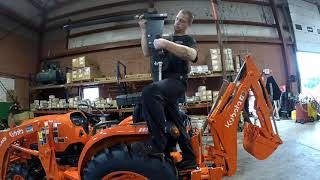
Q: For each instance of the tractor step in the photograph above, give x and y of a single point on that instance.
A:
(71, 174)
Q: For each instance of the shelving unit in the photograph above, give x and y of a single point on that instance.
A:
(119, 110)
(191, 107)
(116, 81)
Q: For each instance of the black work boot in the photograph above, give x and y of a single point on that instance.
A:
(186, 164)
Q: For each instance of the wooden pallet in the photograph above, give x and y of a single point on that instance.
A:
(199, 74)
(198, 102)
(83, 81)
(111, 78)
(137, 76)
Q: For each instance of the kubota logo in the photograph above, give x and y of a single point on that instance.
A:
(15, 133)
(236, 109)
(3, 140)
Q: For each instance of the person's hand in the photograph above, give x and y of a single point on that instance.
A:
(142, 22)
(160, 43)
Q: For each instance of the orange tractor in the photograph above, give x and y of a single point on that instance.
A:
(69, 146)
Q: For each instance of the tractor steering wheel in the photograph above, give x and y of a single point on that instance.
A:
(92, 118)
(95, 118)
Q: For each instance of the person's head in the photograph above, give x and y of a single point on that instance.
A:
(183, 20)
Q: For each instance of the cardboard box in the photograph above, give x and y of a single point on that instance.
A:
(75, 62)
(44, 104)
(69, 77)
(237, 63)
(202, 69)
(88, 73)
(85, 62)
(62, 103)
(74, 75)
(79, 74)
(214, 60)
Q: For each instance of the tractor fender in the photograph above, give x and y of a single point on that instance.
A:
(108, 137)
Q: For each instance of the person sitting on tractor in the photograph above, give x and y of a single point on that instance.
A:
(160, 99)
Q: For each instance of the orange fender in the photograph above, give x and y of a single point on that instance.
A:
(108, 137)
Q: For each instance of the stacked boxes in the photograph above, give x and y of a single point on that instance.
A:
(81, 62)
(62, 103)
(44, 104)
(202, 69)
(83, 70)
(75, 62)
(69, 77)
(102, 103)
(214, 60)
(53, 102)
(237, 63)
(88, 73)
(74, 76)
(74, 102)
(204, 94)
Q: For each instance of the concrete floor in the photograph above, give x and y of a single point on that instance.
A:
(298, 158)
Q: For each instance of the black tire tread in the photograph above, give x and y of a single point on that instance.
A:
(19, 169)
(119, 157)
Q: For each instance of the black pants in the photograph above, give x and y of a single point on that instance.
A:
(160, 104)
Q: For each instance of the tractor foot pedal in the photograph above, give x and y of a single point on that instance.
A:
(187, 172)
(186, 164)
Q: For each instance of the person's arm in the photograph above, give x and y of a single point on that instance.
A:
(144, 41)
(181, 51)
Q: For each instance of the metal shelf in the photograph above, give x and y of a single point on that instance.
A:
(115, 81)
(119, 110)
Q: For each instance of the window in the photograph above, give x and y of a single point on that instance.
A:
(318, 31)
(298, 26)
(91, 93)
(309, 29)
(6, 84)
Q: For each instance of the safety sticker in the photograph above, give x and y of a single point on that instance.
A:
(40, 137)
(144, 129)
(29, 129)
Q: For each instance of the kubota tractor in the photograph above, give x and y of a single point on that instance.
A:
(77, 146)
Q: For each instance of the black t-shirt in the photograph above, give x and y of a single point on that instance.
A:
(176, 64)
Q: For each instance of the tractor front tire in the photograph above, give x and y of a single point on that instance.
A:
(19, 171)
(119, 162)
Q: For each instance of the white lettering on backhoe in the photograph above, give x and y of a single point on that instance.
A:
(15, 133)
(236, 110)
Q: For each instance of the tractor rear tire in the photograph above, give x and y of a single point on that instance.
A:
(121, 162)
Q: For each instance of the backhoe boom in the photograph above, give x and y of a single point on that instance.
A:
(223, 121)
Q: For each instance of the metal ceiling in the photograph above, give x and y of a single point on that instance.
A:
(30, 13)
(314, 1)
(47, 5)
(33, 12)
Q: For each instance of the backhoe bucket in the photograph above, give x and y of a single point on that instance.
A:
(259, 144)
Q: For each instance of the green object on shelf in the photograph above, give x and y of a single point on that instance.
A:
(4, 109)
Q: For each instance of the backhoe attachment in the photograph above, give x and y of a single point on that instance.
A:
(260, 141)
